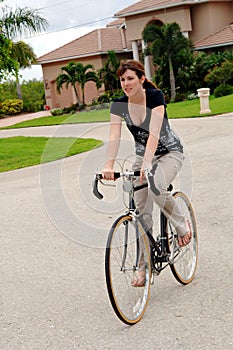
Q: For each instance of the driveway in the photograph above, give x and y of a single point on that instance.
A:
(53, 232)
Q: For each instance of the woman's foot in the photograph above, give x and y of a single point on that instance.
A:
(139, 279)
(184, 240)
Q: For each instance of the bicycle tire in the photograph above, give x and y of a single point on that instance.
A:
(185, 259)
(121, 265)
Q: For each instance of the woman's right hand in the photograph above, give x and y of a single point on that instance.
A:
(108, 174)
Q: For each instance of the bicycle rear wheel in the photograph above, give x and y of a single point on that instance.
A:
(183, 261)
(127, 252)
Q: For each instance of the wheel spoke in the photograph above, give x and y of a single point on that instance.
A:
(183, 260)
(128, 302)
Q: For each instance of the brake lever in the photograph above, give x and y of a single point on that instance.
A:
(98, 178)
(96, 192)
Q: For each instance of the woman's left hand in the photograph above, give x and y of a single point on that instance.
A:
(146, 167)
(142, 176)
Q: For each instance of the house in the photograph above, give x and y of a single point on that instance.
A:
(91, 48)
(208, 23)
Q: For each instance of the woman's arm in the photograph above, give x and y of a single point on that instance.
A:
(113, 146)
(157, 115)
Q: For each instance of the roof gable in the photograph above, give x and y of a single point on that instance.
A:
(117, 23)
(96, 42)
(149, 5)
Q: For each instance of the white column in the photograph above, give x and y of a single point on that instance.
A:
(135, 50)
(204, 93)
(146, 62)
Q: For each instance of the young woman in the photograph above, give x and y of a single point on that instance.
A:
(158, 149)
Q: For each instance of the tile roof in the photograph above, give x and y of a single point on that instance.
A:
(149, 5)
(117, 23)
(221, 38)
(94, 43)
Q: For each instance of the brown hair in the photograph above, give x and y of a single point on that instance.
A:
(138, 68)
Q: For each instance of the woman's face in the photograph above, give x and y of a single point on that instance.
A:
(131, 84)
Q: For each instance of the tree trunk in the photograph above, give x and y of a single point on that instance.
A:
(83, 96)
(172, 79)
(76, 93)
(18, 88)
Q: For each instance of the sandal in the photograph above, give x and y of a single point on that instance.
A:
(186, 239)
(139, 279)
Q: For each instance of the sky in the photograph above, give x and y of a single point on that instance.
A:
(68, 20)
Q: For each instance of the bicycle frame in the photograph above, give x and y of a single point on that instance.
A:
(159, 254)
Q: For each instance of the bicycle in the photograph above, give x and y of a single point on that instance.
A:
(131, 248)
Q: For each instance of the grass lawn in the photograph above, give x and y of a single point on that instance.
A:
(189, 109)
(20, 152)
(185, 109)
(83, 117)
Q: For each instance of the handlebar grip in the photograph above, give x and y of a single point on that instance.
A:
(95, 184)
(137, 173)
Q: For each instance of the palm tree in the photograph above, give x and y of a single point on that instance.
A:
(22, 21)
(77, 73)
(67, 77)
(107, 73)
(24, 55)
(165, 44)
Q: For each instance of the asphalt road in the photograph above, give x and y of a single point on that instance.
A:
(52, 284)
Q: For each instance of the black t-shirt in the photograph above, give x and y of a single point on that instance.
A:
(168, 140)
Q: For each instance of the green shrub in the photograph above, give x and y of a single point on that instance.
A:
(33, 96)
(93, 103)
(32, 91)
(104, 98)
(8, 91)
(57, 111)
(102, 106)
(30, 105)
(81, 108)
(11, 107)
(66, 110)
(223, 90)
(179, 97)
(1, 112)
(71, 109)
(117, 94)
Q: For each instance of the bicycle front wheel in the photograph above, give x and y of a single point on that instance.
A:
(183, 261)
(127, 254)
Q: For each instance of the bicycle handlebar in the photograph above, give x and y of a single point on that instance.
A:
(127, 174)
(117, 175)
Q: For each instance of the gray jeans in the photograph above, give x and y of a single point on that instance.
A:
(168, 167)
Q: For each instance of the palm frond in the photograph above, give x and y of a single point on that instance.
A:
(22, 21)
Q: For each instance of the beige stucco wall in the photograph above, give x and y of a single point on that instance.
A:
(208, 18)
(136, 24)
